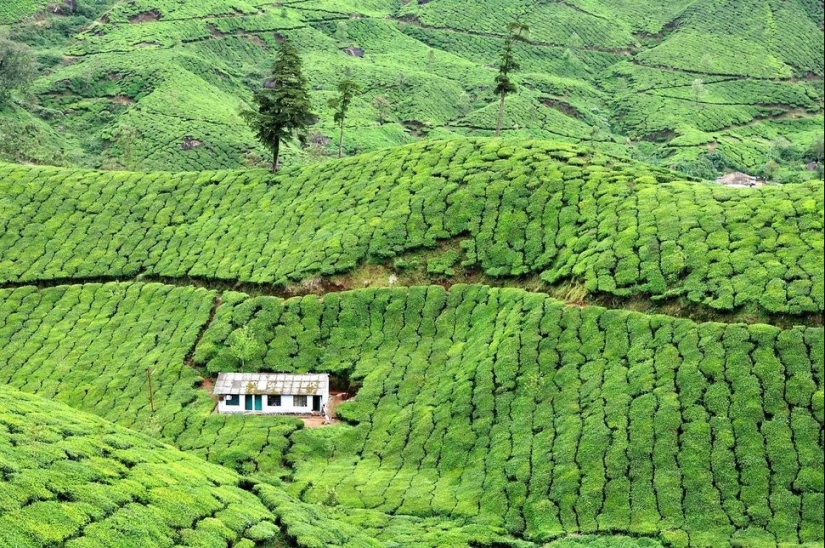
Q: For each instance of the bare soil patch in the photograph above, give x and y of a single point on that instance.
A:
(316, 421)
(144, 17)
(562, 107)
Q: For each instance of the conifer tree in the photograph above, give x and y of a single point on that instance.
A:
(284, 108)
(347, 89)
(516, 32)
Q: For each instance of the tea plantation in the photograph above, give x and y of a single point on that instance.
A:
(515, 411)
(481, 412)
(565, 337)
(90, 347)
(158, 84)
(74, 480)
(510, 209)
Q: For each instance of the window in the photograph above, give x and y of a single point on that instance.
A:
(273, 400)
(233, 400)
(299, 401)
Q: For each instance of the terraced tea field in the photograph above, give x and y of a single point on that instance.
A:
(483, 416)
(90, 346)
(512, 410)
(480, 410)
(75, 480)
(156, 84)
(566, 343)
(525, 209)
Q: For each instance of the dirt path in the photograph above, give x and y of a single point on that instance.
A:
(316, 421)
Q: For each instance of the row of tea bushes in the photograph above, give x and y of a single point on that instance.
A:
(512, 410)
(516, 208)
(74, 480)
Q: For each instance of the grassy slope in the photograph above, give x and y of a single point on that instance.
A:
(145, 76)
(509, 209)
(74, 480)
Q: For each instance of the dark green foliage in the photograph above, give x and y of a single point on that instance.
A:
(284, 109)
(17, 67)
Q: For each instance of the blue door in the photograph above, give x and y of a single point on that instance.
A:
(255, 402)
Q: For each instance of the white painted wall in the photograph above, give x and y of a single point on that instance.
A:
(287, 405)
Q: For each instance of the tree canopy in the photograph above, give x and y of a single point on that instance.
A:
(17, 67)
(284, 108)
(516, 32)
(347, 89)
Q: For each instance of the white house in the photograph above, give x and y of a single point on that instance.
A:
(271, 392)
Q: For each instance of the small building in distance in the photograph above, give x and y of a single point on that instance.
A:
(737, 179)
(271, 392)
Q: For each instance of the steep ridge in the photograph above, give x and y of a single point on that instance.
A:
(507, 209)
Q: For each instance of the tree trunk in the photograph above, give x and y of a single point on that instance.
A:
(275, 150)
(341, 140)
(500, 114)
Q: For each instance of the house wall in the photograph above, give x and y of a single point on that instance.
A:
(287, 406)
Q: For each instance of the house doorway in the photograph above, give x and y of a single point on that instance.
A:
(254, 402)
(316, 403)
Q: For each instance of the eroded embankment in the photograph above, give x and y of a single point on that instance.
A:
(386, 275)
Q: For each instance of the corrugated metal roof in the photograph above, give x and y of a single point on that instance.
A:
(271, 383)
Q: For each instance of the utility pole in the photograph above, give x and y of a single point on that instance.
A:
(151, 395)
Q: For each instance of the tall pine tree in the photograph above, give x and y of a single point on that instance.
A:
(347, 89)
(516, 32)
(284, 108)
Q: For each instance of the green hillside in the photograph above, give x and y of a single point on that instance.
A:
(157, 84)
(90, 347)
(481, 411)
(537, 209)
(565, 336)
(74, 480)
(512, 410)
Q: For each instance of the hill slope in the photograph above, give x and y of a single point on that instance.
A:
(74, 480)
(512, 410)
(156, 84)
(481, 411)
(523, 209)
(91, 346)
